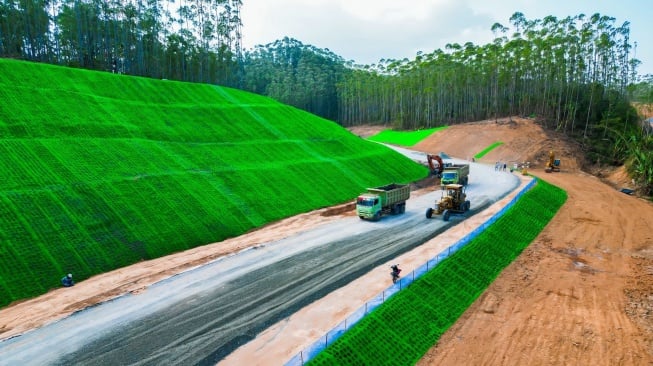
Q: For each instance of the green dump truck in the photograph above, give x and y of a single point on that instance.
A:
(455, 174)
(376, 202)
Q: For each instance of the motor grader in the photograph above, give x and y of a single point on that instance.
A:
(453, 201)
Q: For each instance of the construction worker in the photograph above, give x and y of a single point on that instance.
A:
(67, 280)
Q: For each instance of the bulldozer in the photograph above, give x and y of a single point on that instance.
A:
(553, 165)
(453, 201)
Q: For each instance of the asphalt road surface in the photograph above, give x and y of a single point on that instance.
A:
(200, 316)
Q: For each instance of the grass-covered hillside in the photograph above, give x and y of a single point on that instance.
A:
(404, 138)
(100, 171)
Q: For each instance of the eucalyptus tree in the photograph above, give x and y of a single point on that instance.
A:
(24, 29)
(557, 69)
(497, 46)
(35, 34)
(300, 75)
(11, 29)
(193, 40)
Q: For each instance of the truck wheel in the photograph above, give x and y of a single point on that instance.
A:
(377, 217)
(445, 215)
(361, 217)
(467, 205)
(429, 213)
(403, 207)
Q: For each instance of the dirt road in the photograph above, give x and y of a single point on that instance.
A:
(289, 338)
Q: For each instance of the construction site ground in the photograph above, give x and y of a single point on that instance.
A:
(581, 293)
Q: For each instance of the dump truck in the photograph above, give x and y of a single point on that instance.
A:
(453, 201)
(455, 174)
(379, 201)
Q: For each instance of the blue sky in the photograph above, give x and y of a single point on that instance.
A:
(366, 31)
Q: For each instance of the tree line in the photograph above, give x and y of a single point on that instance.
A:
(575, 74)
(189, 40)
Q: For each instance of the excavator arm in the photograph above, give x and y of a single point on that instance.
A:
(432, 159)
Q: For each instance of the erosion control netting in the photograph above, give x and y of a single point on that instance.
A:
(101, 171)
(488, 149)
(403, 328)
(404, 138)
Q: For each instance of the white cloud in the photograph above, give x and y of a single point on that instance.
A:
(369, 30)
(391, 11)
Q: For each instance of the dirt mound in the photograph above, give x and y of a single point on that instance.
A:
(523, 141)
(581, 292)
(366, 131)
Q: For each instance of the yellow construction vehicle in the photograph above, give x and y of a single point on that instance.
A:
(453, 201)
(553, 165)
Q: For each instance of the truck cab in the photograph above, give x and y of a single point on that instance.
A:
(379, 201)
(455, 174)
(368, 205)
(449, 177)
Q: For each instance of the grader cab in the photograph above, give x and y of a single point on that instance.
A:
(453, 201)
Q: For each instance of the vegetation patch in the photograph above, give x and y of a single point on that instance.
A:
(404, 138)
(101, 171)
(488, 149)
(403, 328)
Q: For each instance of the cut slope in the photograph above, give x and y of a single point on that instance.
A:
(523, 141)
(580, 293)
(102, 170)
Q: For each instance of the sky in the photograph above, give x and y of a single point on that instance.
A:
(366, 31)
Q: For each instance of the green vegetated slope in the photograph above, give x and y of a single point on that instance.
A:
(100, 171)
(488, 149)
(404, 138)
(403, 328)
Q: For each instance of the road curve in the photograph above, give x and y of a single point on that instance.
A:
(200, 316)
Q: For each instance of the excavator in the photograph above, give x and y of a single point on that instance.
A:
(553, 165)
(435, 170)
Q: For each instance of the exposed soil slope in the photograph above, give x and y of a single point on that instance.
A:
(582, 292)
(523, 141)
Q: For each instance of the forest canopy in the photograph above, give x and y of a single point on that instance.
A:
(574, 74)
(182, 40)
